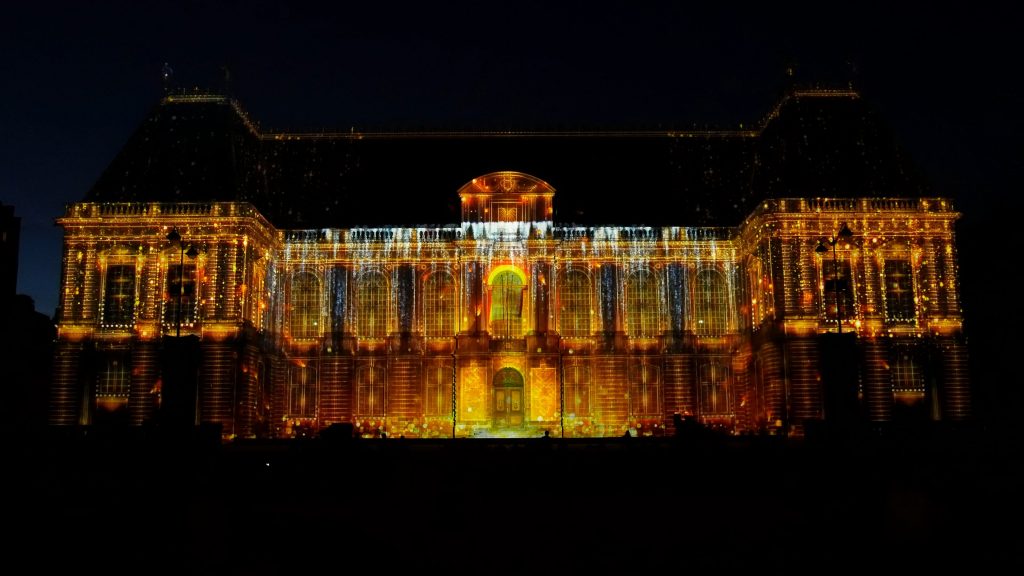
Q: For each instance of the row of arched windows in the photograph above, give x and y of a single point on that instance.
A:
(644, 316)
(373, 302)
(644, 309)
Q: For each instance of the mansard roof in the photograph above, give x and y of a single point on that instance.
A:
(203, 147)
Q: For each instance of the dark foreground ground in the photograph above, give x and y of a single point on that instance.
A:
(97, 503)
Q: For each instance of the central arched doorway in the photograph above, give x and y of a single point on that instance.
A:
(508, 398)
(507, 286)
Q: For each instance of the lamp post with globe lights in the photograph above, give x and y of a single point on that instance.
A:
(844, 234)
(174, 237)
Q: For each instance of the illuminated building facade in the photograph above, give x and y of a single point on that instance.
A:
(512, 322)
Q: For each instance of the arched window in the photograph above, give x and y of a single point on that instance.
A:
(642, 305)
(305, 315)
(372, 293)
(119, 296)
(575, 301)
(507, 305)
(711, 304)
(439, 305)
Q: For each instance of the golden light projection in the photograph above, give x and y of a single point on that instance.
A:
(544, 394)
(657, 321)
(473, 395)
(508, 324)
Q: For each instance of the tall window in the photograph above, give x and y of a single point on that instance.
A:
(114, 381)
(642, 305)
(119, 296)
(906, 373)
(899, 291)
(439, 305)
(507, 305)
(372, 293)
(838, 286)
(302, 391)
(370, 390)
(576, 379)
(644, 389)
(305, 310)
(437, 396)
(181, 289)
(576, 306)
(714, 395)
(710, 304)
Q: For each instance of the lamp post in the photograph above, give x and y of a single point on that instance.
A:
(175, 239)
(454, 397)
(843, 234)
(179, 404)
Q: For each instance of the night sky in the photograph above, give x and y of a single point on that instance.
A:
(79, 77)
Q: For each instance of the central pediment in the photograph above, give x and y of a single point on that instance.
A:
(507, 197)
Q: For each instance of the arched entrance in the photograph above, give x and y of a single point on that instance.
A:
(508, 398)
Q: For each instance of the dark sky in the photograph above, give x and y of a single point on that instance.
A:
(79, 77)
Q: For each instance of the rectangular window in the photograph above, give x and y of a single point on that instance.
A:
(114, 380)
(370, 391)
(437, 393)
(644, 390)
(899, 291)
(506, 212)
(302, 392)
(714, 397)
(906, 374)
(119, 296)
(577, 390)
(838, 286)
(180, 301)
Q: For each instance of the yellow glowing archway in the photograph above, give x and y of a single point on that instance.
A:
(507, 304)
(506, 268)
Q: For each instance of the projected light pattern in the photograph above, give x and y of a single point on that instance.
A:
(458, 330)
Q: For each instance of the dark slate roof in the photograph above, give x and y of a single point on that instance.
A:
(813, 144)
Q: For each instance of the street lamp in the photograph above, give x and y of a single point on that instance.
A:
(454, 397)
(843, 234)
(175, 239)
